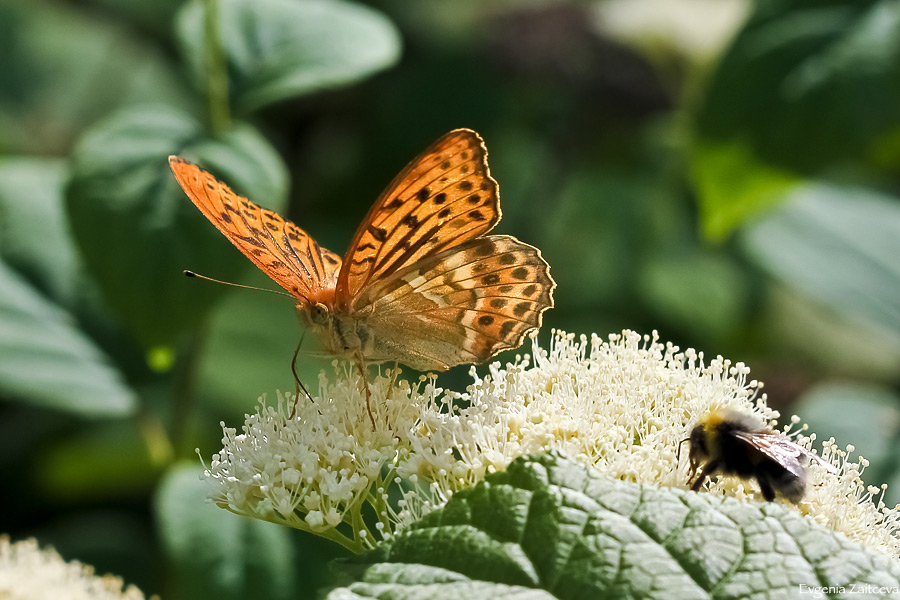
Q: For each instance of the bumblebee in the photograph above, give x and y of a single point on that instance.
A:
(731, 443)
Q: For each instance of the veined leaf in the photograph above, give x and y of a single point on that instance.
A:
(551, 528)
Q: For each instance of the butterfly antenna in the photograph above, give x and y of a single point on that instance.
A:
(247, 287)
(297, 381)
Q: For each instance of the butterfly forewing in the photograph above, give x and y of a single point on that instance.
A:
(282, 250)
(463, 305)
(442, 198)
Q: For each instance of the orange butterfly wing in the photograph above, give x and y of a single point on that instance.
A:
(282, 250)
(442, 198)
(463, 305)
(436, 290)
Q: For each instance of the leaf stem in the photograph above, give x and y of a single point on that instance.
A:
(216, 74)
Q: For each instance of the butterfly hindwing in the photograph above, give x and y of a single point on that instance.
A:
(282, 250)
(463, 305)
(444, 197)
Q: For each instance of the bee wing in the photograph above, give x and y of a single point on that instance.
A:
(827, 465)
(783, 451)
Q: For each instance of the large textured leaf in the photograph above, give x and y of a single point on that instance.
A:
(551, 528)
(838, 245)
(219, 555)
(46, 360)
(277, 49)
(136, 228)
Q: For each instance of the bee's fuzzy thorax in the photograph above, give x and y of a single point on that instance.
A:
(715, 419)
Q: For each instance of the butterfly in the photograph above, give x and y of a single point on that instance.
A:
(421, 284)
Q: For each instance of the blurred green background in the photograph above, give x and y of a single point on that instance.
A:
(726, 172)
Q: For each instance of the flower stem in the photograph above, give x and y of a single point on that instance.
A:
(331, 534)
(216, 74)
(376, 500)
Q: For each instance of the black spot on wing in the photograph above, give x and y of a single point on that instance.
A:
(379, 233)
(520, 273)
(485, 249)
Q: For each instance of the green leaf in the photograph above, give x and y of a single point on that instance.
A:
(34, 234)
(701, 293)
(278, 49)
(217, 554)
(732, 186)
(591, 234)
(138, 231)
(63, 70)
(232, 376)
(46, 360)
(866, 415)
(838, 245)
(810, 335)
(808, 84)
(551, 528)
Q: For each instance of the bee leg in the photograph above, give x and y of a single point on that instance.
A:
(364, 380)
(766, 488)
(708, 469)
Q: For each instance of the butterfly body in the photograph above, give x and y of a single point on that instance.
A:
(340, 333)
(421, 284)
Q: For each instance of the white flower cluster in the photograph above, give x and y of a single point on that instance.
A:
(29, 573)
(622, 405)
(313, 464)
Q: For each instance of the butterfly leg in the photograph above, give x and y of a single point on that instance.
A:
(393, 380)
(297, 383)
(364, 380)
